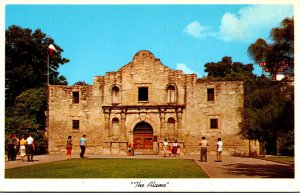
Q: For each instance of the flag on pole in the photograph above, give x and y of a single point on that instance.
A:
(51, 49)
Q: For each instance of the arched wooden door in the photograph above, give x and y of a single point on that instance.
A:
(143, 137)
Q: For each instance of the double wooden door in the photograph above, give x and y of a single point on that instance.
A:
(143, 141)
(143, 137)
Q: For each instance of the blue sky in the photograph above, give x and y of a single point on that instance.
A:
(103, 38)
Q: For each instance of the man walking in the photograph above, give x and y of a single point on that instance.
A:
(203, 145)
(82, 144)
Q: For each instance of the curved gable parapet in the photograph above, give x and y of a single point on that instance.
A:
(143, 55)
(144, 58)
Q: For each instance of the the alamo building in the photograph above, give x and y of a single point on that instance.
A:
(145, 102)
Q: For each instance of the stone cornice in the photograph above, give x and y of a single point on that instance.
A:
(143, 107)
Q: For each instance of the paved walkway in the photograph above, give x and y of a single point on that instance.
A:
(231, 167)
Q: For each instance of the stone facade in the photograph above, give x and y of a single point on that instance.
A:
(145, 102)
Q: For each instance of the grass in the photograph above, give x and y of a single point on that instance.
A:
(282, 159)
(110, 168)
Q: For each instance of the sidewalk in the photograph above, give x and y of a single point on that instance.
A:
(231, 167)
(245, 167)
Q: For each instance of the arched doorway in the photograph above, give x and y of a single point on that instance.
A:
(143, 137)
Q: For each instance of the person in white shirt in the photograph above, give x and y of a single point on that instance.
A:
(30, 148)
(165, 146)
(219, 150)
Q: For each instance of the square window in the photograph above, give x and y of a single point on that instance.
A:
(143, 94)
(214, 123)
(210, 94)
(75, 124)
(75, 97)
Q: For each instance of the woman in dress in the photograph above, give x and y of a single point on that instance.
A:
(69, 147)
(22, 148)
(174, 149)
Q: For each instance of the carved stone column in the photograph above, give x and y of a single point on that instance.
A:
(162, 123)
(123, 129)
(179, 123)
(106, 129)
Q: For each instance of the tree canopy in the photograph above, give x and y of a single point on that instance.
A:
(26, 61)
(228, 70)
(278, 55)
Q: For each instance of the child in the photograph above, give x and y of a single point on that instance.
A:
(178, 150)
(129, 150)
(169, 151)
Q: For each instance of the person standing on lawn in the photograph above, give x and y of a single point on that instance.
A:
(203, 146)
(83, 145)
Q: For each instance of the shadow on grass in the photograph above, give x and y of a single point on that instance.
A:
(264, 171)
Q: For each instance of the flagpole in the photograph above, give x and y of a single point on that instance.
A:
(47, 119)
(50, 49)
(48, 67)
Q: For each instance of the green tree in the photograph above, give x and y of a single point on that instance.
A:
(228, 70)
(28, 116)
(81, 83)
(269, 105)
(262, 106)
(26, 77)
(278, 55)
(26, 61)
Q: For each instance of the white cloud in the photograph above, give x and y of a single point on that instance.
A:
(186, 69)
(252, 21)
(196, 30)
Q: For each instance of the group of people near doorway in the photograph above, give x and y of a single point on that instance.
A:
(23, 146)
(171, 150)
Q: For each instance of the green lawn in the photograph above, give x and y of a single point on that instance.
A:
(110, 168)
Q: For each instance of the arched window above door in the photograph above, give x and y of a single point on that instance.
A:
(171, 128)
(171, 94)
(115, 94)
(143, 127)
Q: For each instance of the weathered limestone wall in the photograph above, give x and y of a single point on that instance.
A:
(62, 111)
(109, 109)
(226, 108)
